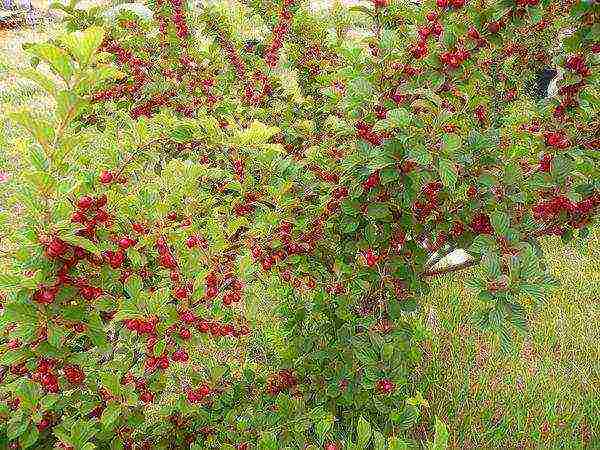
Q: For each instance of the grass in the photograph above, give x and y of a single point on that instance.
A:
(546, 395)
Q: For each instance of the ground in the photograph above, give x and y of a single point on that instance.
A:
(545, 395)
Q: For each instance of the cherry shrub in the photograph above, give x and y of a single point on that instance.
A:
(221, 235)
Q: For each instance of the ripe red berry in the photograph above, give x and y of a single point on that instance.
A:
(385, 386)
(85, 202)
(180, 355)
(191, 241)
(181, 293)
(43, 424)
(74, 374)
(147, 397)
(106, 177)
(56, 248)
(185, 333)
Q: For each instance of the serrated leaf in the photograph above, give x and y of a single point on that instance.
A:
(363, 432)
(500, 222)
(110, 414)
(420, 155)
(95, 330)
(440, 440)
(448, 173)
(378, 210)
(79, 241)
(399, 117)
(83, 44)
(451, 144)
(29, 437)
(57, 58)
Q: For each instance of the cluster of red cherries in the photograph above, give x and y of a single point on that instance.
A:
(557, 140)
(137, 66)
(366, 133)
(548, 210)
(281, 381)
(199, 394)
(568, 93)
(280, 31)
(481, 224)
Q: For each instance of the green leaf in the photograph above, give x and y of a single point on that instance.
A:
(42, 80)
(420, 155)
(111, 382)
(268, 441)
(110, 414)
(395, 443)
(56, 57)
(16, 426)
(21, 312)
(451, 144)
(56, 334)
(324, 426)
(133, 286)
(83, 44)
(491, 263)
(362, 9)
(399, 117)
(348, 224)
(481, 244)
(379, 210)
(500, 222)
(96, 331)
(29, 393)
(40, 129)
(448, 173)
(29, 437)
(378, 441)
(10, 281)
(363, 432)
(79, 241)
(407, 418)
(257, 133)
(81, 432)
(68, 105)
(440, 440)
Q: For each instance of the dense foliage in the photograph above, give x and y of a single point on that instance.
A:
(226, 224)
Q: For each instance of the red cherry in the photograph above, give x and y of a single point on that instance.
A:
(181, 293)
(473, 33)
(101, 201)
(191, 241)
(74, 374)
(85, 202)
(139, 228)
(43, 424)
(106, 177)
(172, 215)
(180, 355)
(147, 397)
(56, 248)
(126, 242)
(185, 333)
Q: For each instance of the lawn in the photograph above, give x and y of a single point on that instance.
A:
(544, 395)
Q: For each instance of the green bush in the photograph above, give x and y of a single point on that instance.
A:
(225, 226)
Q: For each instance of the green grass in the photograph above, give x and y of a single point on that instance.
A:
(546, 395)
